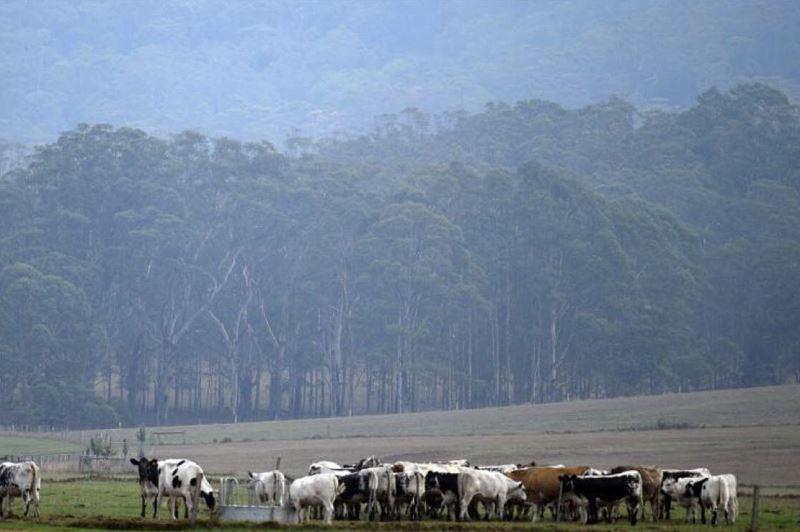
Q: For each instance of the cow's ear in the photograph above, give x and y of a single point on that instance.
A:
(250, 474)
(561, 478)
(134, 461)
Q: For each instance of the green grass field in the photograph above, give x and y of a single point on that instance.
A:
(104, 504)
(13, 445)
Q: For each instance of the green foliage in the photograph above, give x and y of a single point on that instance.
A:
(101, 445)
(523, 253)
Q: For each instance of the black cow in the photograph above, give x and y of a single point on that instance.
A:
(441, 490)
(606, 491)
(355, 492)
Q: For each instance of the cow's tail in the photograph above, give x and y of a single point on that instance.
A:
(338, 488)
(460, 488)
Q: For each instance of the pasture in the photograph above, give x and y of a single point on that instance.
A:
(753, 433)
(104, 504)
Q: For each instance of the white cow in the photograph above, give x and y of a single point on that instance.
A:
(179, 478)
(489, 487)
(20, 479)
(269, 487)
(719, 492)
(312, 491)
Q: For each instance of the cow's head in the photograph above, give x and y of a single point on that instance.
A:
(208, 496)
(148, 469)
(516, 492)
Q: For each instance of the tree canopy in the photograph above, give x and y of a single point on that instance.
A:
(524, 253)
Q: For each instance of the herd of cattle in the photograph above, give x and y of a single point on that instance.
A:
(453, 489)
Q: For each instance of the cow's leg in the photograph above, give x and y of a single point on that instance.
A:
(144, 504)
(188, 504)
(155, 506)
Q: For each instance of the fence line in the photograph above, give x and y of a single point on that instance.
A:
(75, 463)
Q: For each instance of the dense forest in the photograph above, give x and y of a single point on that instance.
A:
(525, 253)
(267, 69)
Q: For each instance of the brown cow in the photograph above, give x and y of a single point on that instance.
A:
(651, 485)
(542, 485)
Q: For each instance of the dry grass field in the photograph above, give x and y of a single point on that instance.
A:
(753, 433)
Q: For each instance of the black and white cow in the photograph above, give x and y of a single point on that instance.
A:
(179, 478)
(148, 481)
(20, 479)
(674, 475)
(675, 490)
(356, 489)
(716, 492)
(410, 490)
(441, 491)
(605, 491)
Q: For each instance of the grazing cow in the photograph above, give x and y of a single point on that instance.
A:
(673, 489)
(410, 490)
(268, 487)
(717, 491)
(442, 491)
(542, 486)
(20, 479)
(148, 482)
(183, 479)
(676, 474)
(651, 485)
(606, 491)
(312, 491)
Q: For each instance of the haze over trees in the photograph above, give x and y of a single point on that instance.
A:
(526, 252)
(271, 69)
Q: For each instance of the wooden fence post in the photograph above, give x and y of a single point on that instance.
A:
(754, 516)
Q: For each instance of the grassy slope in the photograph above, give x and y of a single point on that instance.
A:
(774, 405)
(105, 504)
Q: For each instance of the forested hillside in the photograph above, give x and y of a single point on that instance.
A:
(525, 253)
(272, 69)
